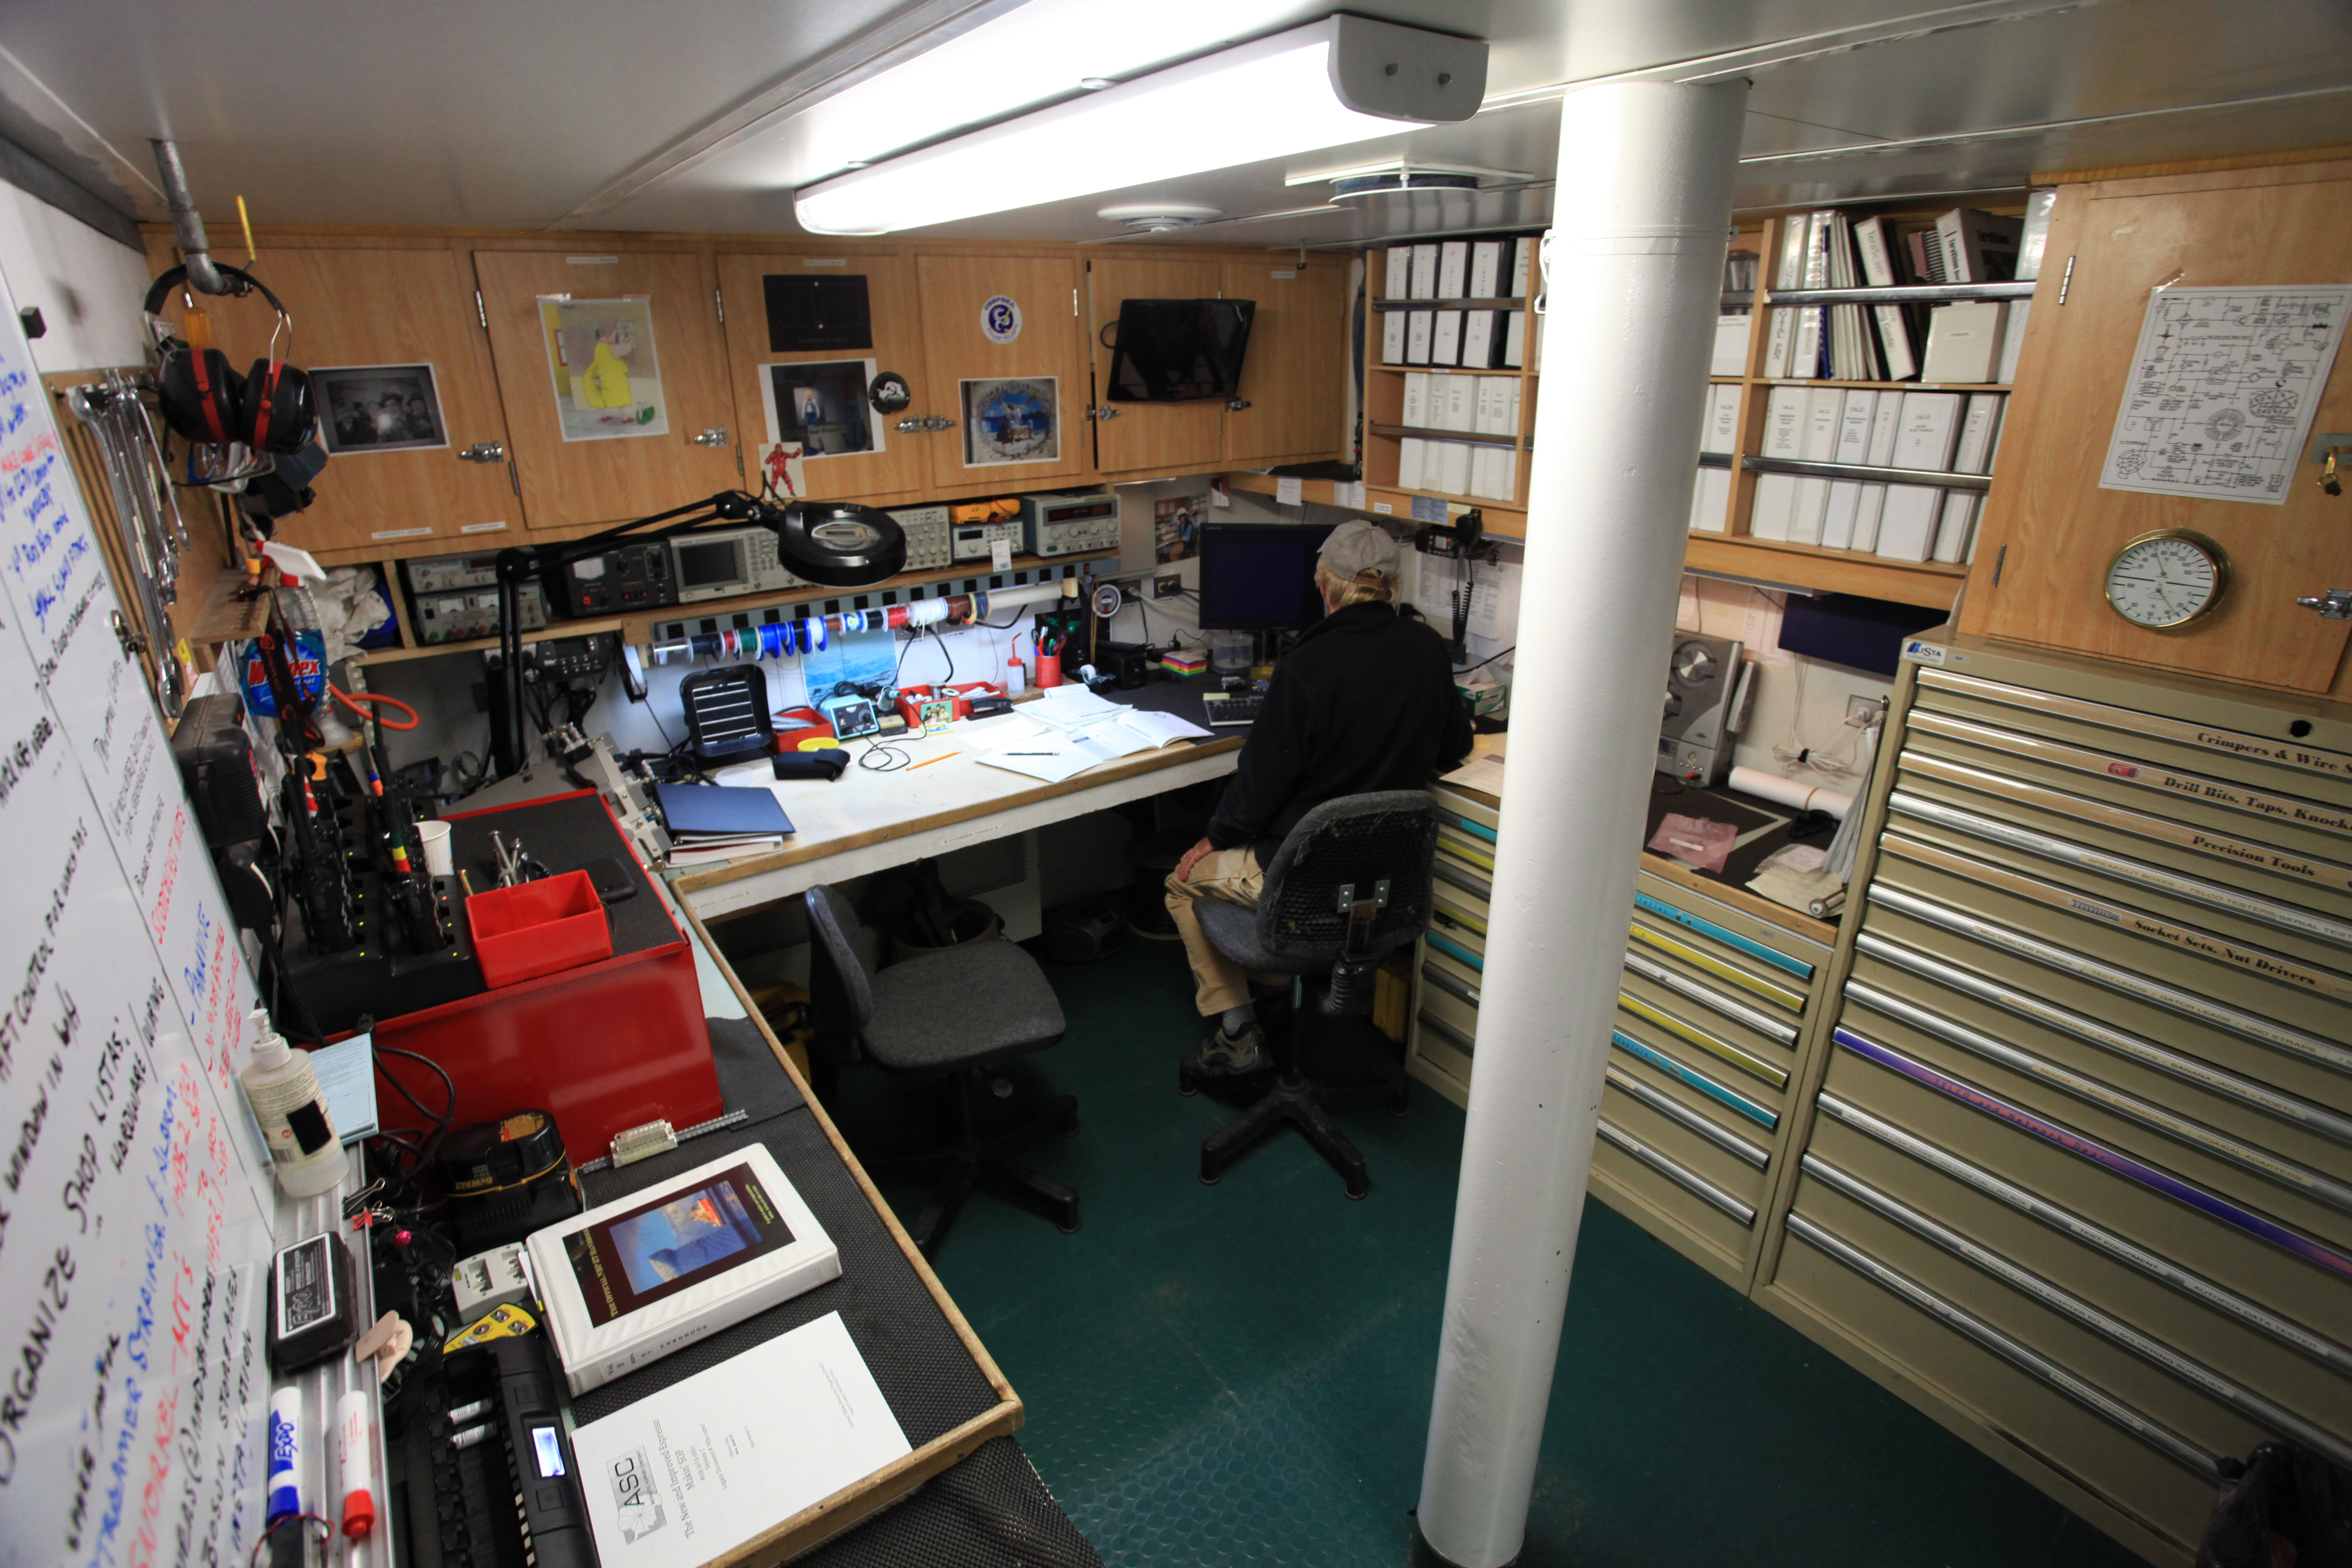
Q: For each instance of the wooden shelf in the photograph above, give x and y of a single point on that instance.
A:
(1814, 469)
(1931, 584)
(1906, 294)
(1470, 438)
(555, 633)
(1508, 519)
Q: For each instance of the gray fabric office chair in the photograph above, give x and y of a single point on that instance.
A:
(1350, 883)
(952, 1014)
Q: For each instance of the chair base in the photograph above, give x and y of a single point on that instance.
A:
(1285, 1096)
(975, 1157)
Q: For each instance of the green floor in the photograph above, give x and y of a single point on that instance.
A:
(1241, 1373)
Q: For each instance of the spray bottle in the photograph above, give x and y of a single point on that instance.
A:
(284, 1092)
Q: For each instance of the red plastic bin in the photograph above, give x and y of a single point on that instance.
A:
(538, 928)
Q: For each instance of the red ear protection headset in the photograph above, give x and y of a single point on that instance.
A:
(268, 409)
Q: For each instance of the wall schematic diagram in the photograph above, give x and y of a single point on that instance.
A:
(2223, 386)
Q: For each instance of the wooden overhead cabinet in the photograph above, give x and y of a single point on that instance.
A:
(1148, 438)
(1293, 385)
(408, 402)
(859, 312)
(1006, 369)
(636, 419)
(2053, 527)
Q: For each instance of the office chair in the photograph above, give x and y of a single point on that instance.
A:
(1350, 883)
(956, 1015)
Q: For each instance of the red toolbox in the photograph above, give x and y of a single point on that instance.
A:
(602, 1046)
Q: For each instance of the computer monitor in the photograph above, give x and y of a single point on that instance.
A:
(1178, 351)
(1260, 576)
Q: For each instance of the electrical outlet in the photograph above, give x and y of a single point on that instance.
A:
(1167, 587)
(1862, 713)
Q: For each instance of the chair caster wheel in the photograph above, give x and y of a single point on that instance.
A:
(1209, 1181)
(1070, 1227)
(1070, 1125)
(1359, 1196)
(1398, 1106)
(1187, 1087)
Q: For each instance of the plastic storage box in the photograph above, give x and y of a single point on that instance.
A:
(538, 928)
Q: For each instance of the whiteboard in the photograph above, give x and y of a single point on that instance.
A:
(134, 1199)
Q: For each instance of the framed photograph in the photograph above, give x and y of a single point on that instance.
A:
(1014, 420)
(1172, 521)
(378, 408)
(607, 372)
(821, 407)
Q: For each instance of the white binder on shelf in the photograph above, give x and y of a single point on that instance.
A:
(1412, 454)
(1446, 339)
(1424, 272)
(1485, 269)
(1453, 466)
(1867, 508)
(1523, 262)
(1477, 339)
(1768, 518)
(1399, 280)
(1906, 526)
(1417, 325)
(1972, 454)
(1711, 501)
(1878, 272)
(1854, 416)
(1963, 342)
(1454, 400)
(1931, 422)
(1721, 431)
(1416, 398)
(1731, 334)
(2012, 341)
(1515, 339)
(1954, 527)
(1393, 337)
(1886, 426)
(1452, 269)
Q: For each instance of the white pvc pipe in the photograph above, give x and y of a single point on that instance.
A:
(1636, 266)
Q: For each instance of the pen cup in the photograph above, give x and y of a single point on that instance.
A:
(438, 860)
(1049, 671)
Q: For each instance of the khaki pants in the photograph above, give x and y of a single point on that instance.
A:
(1231, 875)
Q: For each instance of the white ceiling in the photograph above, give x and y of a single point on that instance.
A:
(701, 115)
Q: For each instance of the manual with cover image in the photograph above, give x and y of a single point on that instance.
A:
(633, 1279)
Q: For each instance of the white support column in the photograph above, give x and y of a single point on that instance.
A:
(1636, 266)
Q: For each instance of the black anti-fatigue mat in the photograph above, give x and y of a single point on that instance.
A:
(922, 1368)
(990, 1512)
(747, 1080)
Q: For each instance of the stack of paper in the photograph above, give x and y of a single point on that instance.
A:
(1076, 733)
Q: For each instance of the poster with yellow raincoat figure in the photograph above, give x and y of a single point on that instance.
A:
(607, 374)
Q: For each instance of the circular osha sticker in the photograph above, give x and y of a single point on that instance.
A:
(1000, 319)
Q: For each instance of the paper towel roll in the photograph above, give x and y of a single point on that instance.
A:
(1790, 793)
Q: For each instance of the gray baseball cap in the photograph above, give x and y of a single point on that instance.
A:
(1358, 547)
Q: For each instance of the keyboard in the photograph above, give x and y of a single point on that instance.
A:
(1232, 711)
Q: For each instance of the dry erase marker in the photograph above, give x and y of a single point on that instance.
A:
(353, 1456)
(285, 1455)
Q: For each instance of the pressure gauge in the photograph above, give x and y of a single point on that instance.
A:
(2167, 579)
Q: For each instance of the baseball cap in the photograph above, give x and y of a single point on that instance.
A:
(1358, 547)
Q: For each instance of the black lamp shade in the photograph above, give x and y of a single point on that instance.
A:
(839, 543)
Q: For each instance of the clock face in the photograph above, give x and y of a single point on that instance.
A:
(2165, 580)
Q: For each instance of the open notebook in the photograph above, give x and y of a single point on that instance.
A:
(1060, 749)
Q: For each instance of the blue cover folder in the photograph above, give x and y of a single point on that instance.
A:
(720, 811)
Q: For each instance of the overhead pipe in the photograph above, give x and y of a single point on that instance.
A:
(1635, 276)
(187, 223)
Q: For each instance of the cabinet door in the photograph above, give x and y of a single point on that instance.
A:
(1294, 375)
(403, 387)
(636, 419)
(851, 451)
(2050, 528)
(1002, 350)
(1158, 437)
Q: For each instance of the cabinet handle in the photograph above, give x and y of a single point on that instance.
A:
(1237, 404)
(2335, 604)
(484, 452)
(909, 424)
(1105, 412)
(716, 437)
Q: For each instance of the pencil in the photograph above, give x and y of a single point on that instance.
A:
(948, 758)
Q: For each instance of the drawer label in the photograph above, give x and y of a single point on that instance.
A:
(2189, 939)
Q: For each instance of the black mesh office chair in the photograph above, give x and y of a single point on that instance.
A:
(951, 1014)
(1350, 883)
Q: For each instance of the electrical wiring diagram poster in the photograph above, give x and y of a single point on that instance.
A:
(1018, 420)
(2223, 387)
(607, 372)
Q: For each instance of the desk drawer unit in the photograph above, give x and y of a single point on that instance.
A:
(1709, 1017)
(2080, 1166)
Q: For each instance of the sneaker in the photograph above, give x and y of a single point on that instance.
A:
(1227, 1056)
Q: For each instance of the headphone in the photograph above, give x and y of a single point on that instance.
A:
(269, 408)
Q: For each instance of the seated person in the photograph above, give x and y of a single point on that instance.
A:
(1364, 701)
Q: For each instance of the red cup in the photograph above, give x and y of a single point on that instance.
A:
(1049, 670)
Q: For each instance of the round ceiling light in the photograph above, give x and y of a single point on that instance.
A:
(1159, 218)
(1396, 181)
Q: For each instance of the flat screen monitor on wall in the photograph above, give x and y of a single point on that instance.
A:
(1179, 351)
(1260, 576)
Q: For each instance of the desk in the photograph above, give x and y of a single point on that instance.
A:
(868, 822)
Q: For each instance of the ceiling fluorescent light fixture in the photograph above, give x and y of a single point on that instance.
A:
(1343, 80)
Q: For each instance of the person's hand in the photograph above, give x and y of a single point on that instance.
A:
(1191, 858)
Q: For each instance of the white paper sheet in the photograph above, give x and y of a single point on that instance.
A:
(2221, 392)
(687, 1474)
